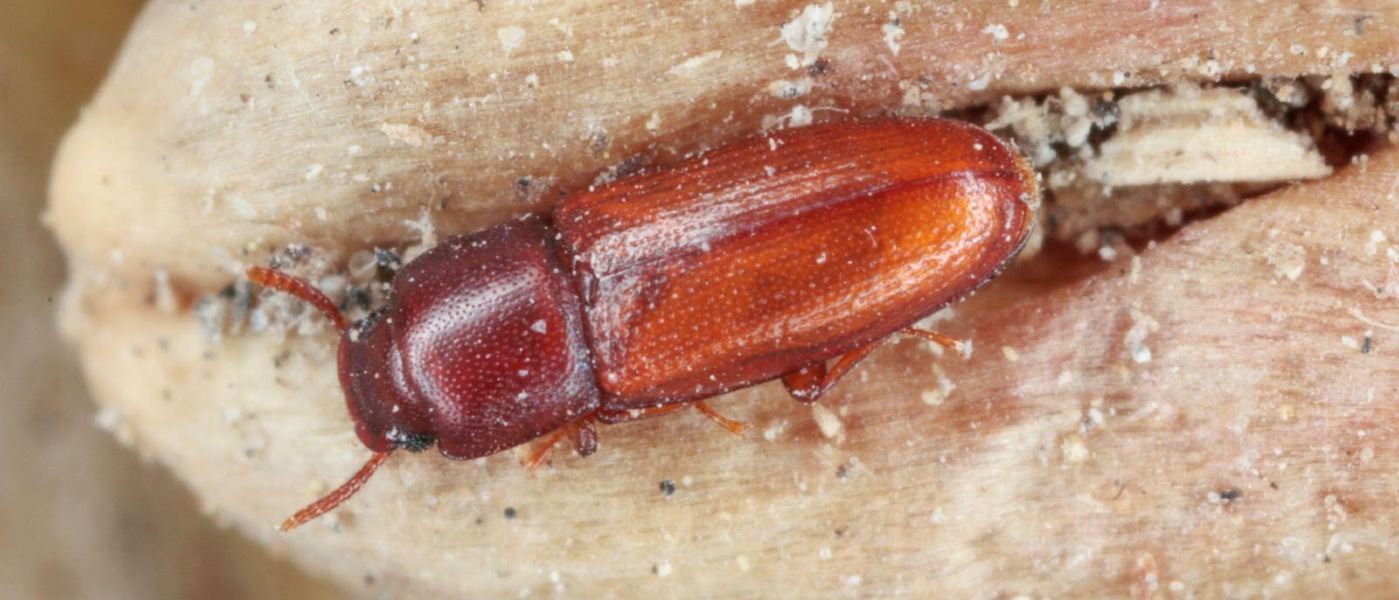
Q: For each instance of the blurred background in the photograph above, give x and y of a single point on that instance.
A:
(81, 516)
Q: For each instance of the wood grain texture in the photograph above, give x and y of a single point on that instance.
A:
(1057, 461)
(259, 124)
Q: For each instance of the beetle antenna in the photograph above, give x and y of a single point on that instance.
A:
(329, 501)
(282, 282)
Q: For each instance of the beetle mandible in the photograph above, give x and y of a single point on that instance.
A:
(758, 260)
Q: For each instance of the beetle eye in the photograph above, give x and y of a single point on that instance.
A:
(412, 442)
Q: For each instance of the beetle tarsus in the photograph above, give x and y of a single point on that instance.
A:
(734, 427)
(585, 437)
(963, 348)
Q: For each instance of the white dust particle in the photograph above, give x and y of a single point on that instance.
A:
(361, 75)
(1010, 354)
(979, 83)
(742, 562)
(249, 26)
(799, 116)
(807, 33)
(1287, 259)
(1377, 237)
(564, 28)
(787, 90)
(165, 300)
(199, 73)
(653, 123)
(109, 418)
(403, 133)
(510, 38)
(966, 348)
(893, 32)
(539, 327)
(693, 64)
(1096, 416)
(314, 171)
(663, 569)
(427, 234)
(827, 422)
(935, 397)
(743, 3)
(566, 56)
(1135, 338)
(997, 32)
(770, 434)
(1073, 449)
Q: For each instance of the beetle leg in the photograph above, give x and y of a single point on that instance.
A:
(734, 427)
(539, 454)
(585, 437)
(951, 343)
(808, 383)
(615, 416)
(584, 441)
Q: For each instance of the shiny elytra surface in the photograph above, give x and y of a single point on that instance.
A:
(761, 257)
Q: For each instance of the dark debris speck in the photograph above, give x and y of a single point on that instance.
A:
(1230, 494)
(387, 259)
(511, 513)
(667, 487)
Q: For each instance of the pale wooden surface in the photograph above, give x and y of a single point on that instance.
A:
(1252, 452)
(80, 516)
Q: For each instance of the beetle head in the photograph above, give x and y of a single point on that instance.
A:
(387, 414)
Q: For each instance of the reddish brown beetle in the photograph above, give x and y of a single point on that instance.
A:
(758, 260)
